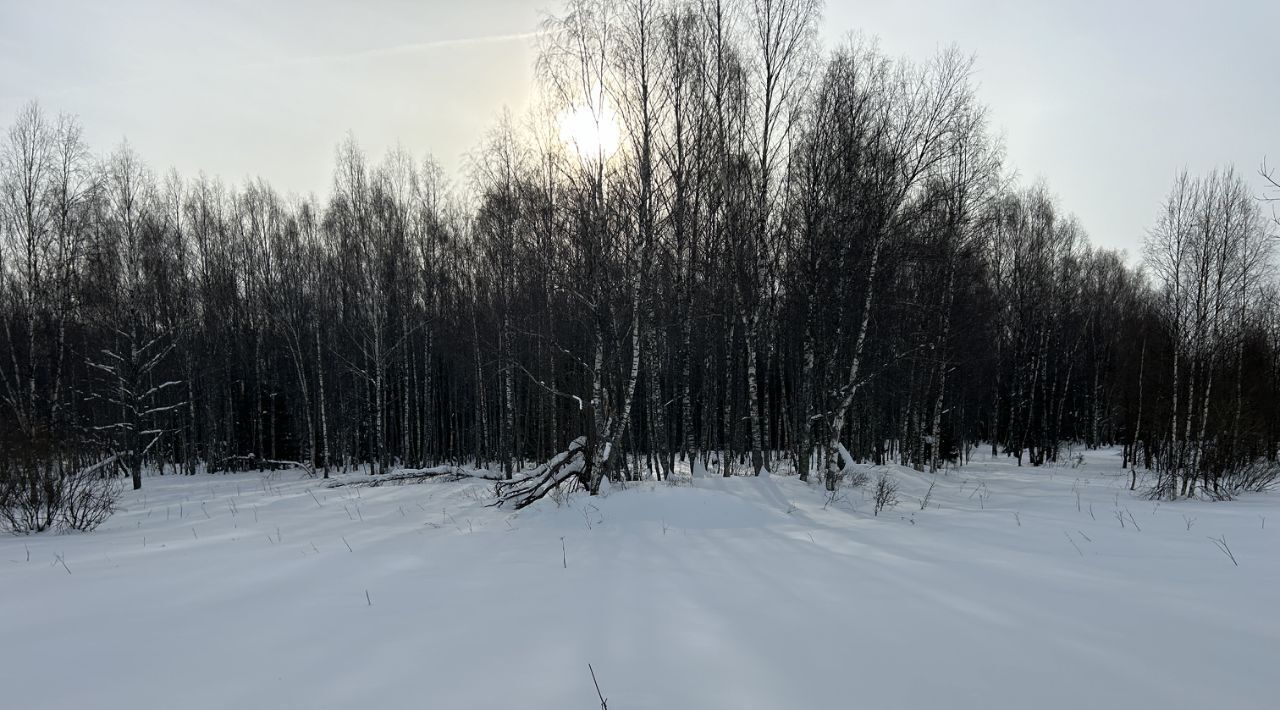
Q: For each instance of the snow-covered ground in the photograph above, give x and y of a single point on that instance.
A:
(1007, 591)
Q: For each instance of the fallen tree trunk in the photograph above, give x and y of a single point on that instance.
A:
(570, 463)
(249, 462)
(399, 478)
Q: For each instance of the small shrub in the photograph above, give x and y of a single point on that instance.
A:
(30, 496)
(1257, 476)
(1213, 477)
(41, 488)
(886, 493)
(856, 477)
(928, 495)
(563, 494)
(89, 496)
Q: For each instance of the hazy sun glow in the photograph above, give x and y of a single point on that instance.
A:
(594, 134)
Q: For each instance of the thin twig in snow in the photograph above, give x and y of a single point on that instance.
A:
(1221, 543)
(1073, 542)
(604, 704)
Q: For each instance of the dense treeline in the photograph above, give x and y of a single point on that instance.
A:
(709, 241)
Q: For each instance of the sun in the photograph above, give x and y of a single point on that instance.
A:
(593, 133)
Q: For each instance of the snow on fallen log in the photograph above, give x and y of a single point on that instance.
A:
(545, 478)
(247, 462)
(103, 464)
(419, 475)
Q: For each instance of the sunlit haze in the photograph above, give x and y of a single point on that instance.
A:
(243, 88)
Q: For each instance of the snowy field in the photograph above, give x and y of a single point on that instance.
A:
(272, 591)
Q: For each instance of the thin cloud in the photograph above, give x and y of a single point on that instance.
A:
(308, 60)
(400, 49)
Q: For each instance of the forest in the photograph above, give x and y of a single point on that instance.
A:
(711, 241)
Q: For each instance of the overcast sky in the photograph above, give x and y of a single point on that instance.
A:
(1105, 100)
